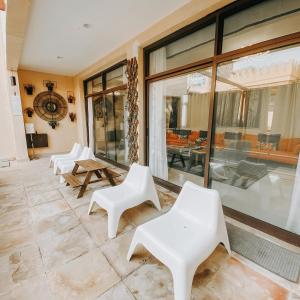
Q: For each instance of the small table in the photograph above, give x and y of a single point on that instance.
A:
(90, 167)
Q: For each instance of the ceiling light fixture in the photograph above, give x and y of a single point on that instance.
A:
(86, 25)
(59, 57)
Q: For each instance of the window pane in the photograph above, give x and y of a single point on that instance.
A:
(178, 120)
(116, 77)
(264, 21)
(97, 84)
(191, 48)
(94, 85)
(255, 162)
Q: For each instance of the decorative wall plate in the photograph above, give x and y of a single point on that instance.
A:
(50, 106)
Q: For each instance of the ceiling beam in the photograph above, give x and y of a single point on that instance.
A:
(16, 26)
(2, 5)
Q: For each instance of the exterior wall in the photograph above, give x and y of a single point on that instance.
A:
(62, 138)
(12, 144)
(189, 13)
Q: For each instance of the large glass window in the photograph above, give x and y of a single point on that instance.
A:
(110, 126)
(255, 161)
(107, 114)
(264, 21)
(178, 120)
(191, 48)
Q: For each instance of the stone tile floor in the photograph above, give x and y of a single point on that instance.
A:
(50, 248)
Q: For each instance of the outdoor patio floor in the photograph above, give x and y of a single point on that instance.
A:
(50, 248)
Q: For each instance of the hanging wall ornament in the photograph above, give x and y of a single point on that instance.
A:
(50, 107)
(132, 73)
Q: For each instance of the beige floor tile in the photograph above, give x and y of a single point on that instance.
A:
(118, 292)
(207, 270)
(116, 250)
(19, 266)
(86, 277)
(65, 247)
(142, 213)
(57, 224)
(235, 281)
(14, 220)
(36, 289)
(13, 239)
(75, 202)
(11, 204)
(45, 197)
(151, 281)
(41, 187)
(46, 210)
(96, 224)
(167, 200)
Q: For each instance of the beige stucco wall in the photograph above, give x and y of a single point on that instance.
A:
(62, 138)
(187, 14)
(7, 141)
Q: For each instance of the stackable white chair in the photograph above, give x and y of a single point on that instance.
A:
(67, 166)
(185, 236)
(137, 188)
(75, 155)
(69, 155)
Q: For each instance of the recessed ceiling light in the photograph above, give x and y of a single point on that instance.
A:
(59, 57)
(86, 25)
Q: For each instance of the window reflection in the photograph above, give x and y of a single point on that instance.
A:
(178, 118)
(257, 136)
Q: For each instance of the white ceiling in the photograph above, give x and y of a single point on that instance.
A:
(56, 28)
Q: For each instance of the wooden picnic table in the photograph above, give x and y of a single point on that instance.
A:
(89, 167)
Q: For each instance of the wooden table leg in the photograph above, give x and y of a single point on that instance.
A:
(98, 174)
(74, 171)
(109, 177)
(85, 184)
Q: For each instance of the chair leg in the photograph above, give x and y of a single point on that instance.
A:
(50, 164)
(55, 167)
(182, 282)
(226, 244)
(91, 207)
(155, 200)
(61, 179)
(135, 241)
(113, 223)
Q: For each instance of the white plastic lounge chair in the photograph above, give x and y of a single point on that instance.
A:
(67, 166)
(137, 188)
(185, 236)
(66, 155)
(69, 158)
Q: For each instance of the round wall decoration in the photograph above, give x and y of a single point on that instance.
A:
(50, 107)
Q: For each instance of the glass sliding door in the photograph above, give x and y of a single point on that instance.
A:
(110, 132)
(121, 127)
(110, 126)
(255, 156)
(99, 125)
(178, 124)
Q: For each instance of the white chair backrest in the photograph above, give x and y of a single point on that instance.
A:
(86, 153)
(83, 153)
(74, 148)
(137, 176)
(199, 204)
(78, 150)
